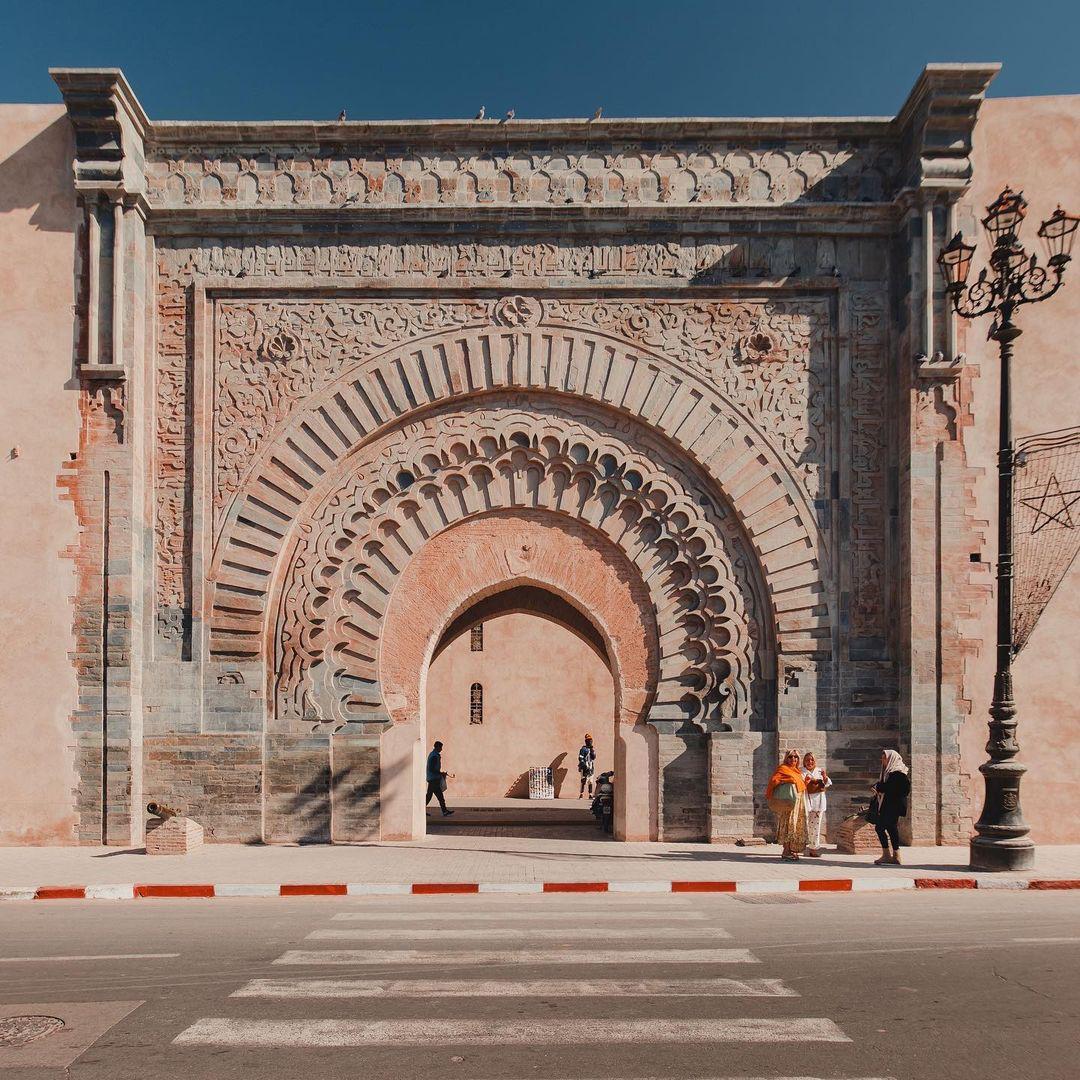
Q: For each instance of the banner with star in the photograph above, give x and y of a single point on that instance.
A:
(1046, 523)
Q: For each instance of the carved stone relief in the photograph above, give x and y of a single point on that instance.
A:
(425, 476)
(598, 173)
(703, 259)
(765, 356)
(869, 464)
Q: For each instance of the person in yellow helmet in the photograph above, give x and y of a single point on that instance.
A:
(586, 765)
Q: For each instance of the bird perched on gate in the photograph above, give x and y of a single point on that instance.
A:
(599, 110)
(480, 114)
(509, 115)
(341, 116)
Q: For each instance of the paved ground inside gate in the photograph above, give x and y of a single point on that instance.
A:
(491, 854)
(911, 986)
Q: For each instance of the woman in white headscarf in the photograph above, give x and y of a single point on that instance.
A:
(817, 780)
(890, 805)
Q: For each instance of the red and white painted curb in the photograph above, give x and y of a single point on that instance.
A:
(886, 882)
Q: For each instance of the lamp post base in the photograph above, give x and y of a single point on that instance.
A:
(1005, 853)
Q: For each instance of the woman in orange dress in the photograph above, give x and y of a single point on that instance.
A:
(791, 829)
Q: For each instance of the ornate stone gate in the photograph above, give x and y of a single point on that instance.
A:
(651, 367)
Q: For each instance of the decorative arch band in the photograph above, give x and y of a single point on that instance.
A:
(347, 556)
(671, 413)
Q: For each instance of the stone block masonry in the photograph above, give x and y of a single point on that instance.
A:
(174, 836)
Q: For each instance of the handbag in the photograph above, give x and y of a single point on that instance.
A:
(873, 811)
(442, 783)
(783, 798)
(814, 787)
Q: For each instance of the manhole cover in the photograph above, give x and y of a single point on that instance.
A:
(20, 1030)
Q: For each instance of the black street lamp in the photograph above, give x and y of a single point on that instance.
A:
(1002, 842)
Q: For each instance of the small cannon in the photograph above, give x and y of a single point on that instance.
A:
(160, 810)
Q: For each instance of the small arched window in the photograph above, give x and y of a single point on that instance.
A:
(476, 704)
(476, 638)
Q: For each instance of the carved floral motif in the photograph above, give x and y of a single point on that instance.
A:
(518, 311)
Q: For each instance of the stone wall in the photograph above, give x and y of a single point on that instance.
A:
(708, 349)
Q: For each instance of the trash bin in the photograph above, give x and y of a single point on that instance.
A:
(541, 783)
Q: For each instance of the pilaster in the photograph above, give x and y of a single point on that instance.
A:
(105, 479)
(940, 541)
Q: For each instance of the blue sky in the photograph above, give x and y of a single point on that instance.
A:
(285, 59)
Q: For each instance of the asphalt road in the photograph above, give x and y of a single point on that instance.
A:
(907, 985)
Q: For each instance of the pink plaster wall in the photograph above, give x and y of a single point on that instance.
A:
(39, 415)
(543, 689)
(1031, 144)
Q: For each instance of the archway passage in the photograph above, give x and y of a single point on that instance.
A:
(515, 683)
(482, 557)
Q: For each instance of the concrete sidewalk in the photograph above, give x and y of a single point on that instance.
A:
(487, 859)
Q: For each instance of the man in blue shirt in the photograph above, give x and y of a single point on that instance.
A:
(436, 779)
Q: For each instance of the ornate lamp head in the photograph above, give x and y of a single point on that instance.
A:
(1004, 217)
(1058, 232)
(955, 262)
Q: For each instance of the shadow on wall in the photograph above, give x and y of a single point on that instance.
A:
(29, 178)
(308, 811)
(519, 789)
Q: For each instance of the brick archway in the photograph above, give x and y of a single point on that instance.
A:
(488, 554)
(349, 549)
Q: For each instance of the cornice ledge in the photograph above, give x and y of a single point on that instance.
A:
(936, 123)
(939, 369)
(719, 216)
(109, 126)
(448, 133)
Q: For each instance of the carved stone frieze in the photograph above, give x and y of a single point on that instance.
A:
(598, 173)
(707, 260)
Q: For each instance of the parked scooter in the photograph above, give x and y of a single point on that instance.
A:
(603, 806)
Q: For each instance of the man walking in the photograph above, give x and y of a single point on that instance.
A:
(436, 779)
(586, 765)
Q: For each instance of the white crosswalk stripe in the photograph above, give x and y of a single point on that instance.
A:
(517, 956)
(531, 988)
(645, 915)
(518, 934)
(223, 1031)
(580, 934)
